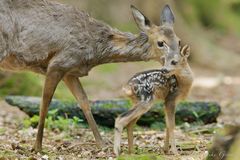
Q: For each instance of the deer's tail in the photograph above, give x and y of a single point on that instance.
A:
(127, 90)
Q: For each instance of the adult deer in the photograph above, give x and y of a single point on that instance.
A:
(64, 43)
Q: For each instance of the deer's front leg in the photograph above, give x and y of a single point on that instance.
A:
(170, 125)
(77, 90)
(125, 119)
(51, 82)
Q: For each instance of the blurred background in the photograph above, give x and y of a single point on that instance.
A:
(212, 28)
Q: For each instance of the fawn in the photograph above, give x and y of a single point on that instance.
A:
(171, 83)
(63, 43)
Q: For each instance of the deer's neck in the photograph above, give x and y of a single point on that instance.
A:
(126, 47)
(185, 79)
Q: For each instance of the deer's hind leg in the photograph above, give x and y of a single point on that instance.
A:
(77, 90)
(51, 82)
(128, 118)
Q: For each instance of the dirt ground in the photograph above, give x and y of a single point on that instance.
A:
(78, 143)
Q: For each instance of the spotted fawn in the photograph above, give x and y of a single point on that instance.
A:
(170, 83)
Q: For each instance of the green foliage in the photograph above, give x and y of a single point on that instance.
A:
(29, 84)
(7, 155)
(53, 122)
(2, 130)
(33, 121)
(158, 125)
(236, 8)
(220, 16)
(141, 157)
(21, 84)
(127, 104)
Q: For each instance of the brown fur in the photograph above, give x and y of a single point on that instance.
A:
(63, 43)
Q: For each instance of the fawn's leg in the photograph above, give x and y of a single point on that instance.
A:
(77, 90)
(130, 129)
(124, 119)
(51, 82)
(170, 122)
(130, 134)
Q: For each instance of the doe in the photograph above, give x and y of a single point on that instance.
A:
(64, 43)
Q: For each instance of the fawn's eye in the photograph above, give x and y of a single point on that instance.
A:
(179, 43)
(160, 44)
(174, 62)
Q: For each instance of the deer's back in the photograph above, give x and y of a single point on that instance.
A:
(34, 31)
(146, 85)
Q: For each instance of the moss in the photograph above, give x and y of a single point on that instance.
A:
(105, 111)
(7, 155)
(2, 131)
(110, 104)
(141, 157)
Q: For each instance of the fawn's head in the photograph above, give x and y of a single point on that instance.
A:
(162, 38)
(174, 63)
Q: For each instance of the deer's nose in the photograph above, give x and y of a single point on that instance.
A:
(165, 71)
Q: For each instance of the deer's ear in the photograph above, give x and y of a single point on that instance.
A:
(185, 51)
(143, 22)
(167, 16)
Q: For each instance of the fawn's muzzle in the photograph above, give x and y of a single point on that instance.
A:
(165, 71)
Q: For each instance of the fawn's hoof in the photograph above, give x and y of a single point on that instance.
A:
(172, 150)
(117, 150)
(37, 148)
(166, 148)
(130, 151)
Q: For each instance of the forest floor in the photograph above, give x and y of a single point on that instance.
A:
(78, 143)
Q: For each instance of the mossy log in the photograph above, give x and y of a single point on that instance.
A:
(105, 111)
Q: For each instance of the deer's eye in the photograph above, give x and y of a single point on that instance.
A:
(174, 62)
(179, 43)
(160, 44)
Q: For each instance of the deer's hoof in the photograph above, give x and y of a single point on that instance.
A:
(101, 144)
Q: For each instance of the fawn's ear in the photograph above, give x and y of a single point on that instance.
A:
(185, 51)
(167, 16)
(143, 22)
